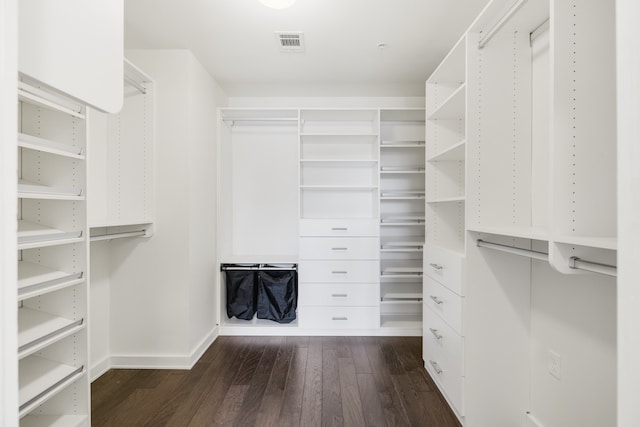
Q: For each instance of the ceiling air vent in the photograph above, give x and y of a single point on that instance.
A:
(290, 41)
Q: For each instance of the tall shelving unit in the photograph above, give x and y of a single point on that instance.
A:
(521, 214)
(339, 214)
(446, 135)
(402, 217)
(52, 259)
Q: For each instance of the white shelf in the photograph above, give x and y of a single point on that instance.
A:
(339, 161)
(41, 98)
(453, 107)
(455, 152)
(402, 271)
(513, 231)
(32, 235)
(402, 144)
(610, 243)
(402, 297)
(37, 330)
(401, 321)
(401, 221)
(403, 245)
(48, 146)
(401, 170)
(54, 421)
(338, 134)
(31, 190)
(447, 200)
(35, 279)
(338, 187)
(41, 379)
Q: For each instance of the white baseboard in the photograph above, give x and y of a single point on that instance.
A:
(100, 368)
(531, 421)
(251, 330)
(139, 361)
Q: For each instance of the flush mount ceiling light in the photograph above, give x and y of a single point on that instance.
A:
(278, 4)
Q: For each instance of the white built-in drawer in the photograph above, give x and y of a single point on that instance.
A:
(339, 248)
(338, 294)
(444, 266)
(339, 227)
(443, 357)
(446, 303)
(338, 271)
(339, 317)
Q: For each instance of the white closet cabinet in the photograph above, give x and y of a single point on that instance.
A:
(402, 217)
(121, 162)
(52, 259)
(522, 172)
(338, 217)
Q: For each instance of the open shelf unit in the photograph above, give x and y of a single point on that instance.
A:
(52, 258)
(339, 186)
(402, 217)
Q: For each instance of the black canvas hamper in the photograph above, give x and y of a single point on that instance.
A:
(277, 295)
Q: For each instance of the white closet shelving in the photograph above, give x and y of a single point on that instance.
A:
(524, 160)
(402, 218)
(446, 113)
(339, 187)
(122, 163)
(52, 259)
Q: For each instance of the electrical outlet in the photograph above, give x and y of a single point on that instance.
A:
(555, 364)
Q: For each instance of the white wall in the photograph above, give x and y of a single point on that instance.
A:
(628, 54)
(99, 308)
(163, 303)
(204, 97)
(8, 209)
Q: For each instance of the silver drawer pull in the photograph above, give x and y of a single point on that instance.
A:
(339, 295)
(436, 367)
(340, 318)
(436, 299)
(339, 228)
(338, 249)
(436, 266)
(338, 272)
(436, 334)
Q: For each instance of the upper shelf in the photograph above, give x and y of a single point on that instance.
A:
(30, 190)
(35, 279)
(48, 146)
(456, 152)
(453, 107)
(37, 330)
(402, 144)
(35, 96)
(32, 235)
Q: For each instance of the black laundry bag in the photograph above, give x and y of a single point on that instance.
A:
(277, 295)
(241, 294)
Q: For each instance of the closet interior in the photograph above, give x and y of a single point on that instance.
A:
(484, 220)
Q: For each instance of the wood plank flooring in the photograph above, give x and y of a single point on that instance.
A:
(280, 381)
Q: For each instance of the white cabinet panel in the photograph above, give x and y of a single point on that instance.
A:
(338, 227)
(444, 302)
(338, 271)
(339, 318)
(361, 248)
(444, 267)
(338, 294)
(71, 45)
(443, 357)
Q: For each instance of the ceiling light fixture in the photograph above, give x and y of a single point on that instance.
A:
(278, 4)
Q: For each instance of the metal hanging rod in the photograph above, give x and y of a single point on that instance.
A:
(133, 83)
(511, 250)
(501, 22)
(259, 267)
(111, 236)
(594, 267)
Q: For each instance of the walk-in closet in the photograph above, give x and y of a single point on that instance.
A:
(292, 212)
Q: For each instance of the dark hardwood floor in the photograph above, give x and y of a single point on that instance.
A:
(280, 381)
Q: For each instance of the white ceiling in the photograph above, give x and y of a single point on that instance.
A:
(235, 41)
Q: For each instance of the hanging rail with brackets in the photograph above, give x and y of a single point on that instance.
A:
(575, 263)
(501, 23)
(259, 267)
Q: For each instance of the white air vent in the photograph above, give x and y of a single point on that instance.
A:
(290, 41)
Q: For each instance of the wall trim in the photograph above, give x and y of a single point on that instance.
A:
(152, 361)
